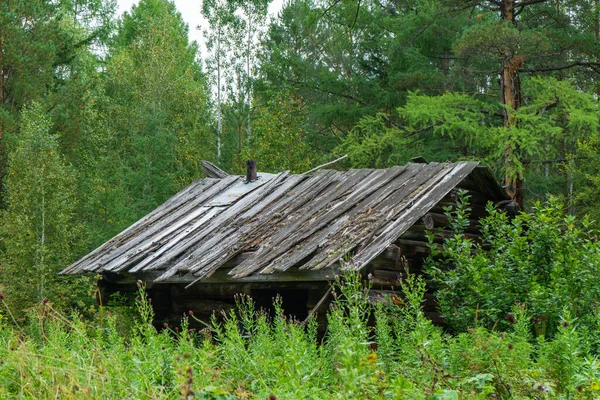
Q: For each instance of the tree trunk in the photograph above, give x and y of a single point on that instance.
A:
(248, 77)
(219, 117)
(510, 87)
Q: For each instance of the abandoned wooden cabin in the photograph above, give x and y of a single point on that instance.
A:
(270, 234)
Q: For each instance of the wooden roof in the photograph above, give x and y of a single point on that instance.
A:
(304, 222)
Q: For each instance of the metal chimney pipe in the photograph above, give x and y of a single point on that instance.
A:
(251, 173)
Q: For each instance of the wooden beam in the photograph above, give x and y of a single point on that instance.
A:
(316, 307)
(212, 171)
(221, 276)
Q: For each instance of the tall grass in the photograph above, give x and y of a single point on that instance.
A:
(251, 355)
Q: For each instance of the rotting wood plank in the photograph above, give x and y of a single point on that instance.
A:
(365, 218)
(204, 265)
(249, 200)
(320, 240)
(275, 241)
(362, 230)
(217, 239)
(416, 189)
(213, 211)
(316, 308)
(286, 260)
(315, 208)
(368, 217)
(420, 207)
(289, 259)
(177, 226)
(372, 202)
(212, 171)
(195, 190)
(371, 184)
(167, 218)
(110, 243)
(228, 243)
(221, 276)
(189, 247)
(158, 236)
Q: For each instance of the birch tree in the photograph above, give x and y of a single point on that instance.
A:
(39, 231)
(222, 21)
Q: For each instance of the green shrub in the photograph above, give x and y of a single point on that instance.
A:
(543, 259)
(253, 356)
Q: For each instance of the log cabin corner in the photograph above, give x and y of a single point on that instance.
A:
(281, 234)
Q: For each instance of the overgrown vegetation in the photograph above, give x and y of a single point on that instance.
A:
(545, 259)
(250, 355)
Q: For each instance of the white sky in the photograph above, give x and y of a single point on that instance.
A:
(190, 11)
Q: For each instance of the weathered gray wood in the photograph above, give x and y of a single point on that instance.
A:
(156, 237)
(223, 219)
(428, 221)
(150, 259)
(368, 218)
(167, 218)
(232, 234)
(296, 254)
(196, 188)
(221, 276)
(256, 222)
(212, 171)
(420, 207)
(318, 218)
(287, 260)
(270, 251)
(208, 258)
(316, 308)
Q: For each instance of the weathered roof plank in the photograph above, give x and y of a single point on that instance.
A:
(201, 189)
(293, 234)
(283, 223)
(185, 247)
(419, 208)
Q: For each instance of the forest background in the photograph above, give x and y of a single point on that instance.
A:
(103, 118)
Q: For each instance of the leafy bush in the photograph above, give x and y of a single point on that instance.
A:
(543, 259)
(251, 356)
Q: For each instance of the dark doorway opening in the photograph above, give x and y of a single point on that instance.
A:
(294, 301)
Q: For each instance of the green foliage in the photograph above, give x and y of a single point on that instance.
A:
(156, 110)
(557, 122)
(39, 231)
(278, 139)
(543, 259)
(253, 355)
